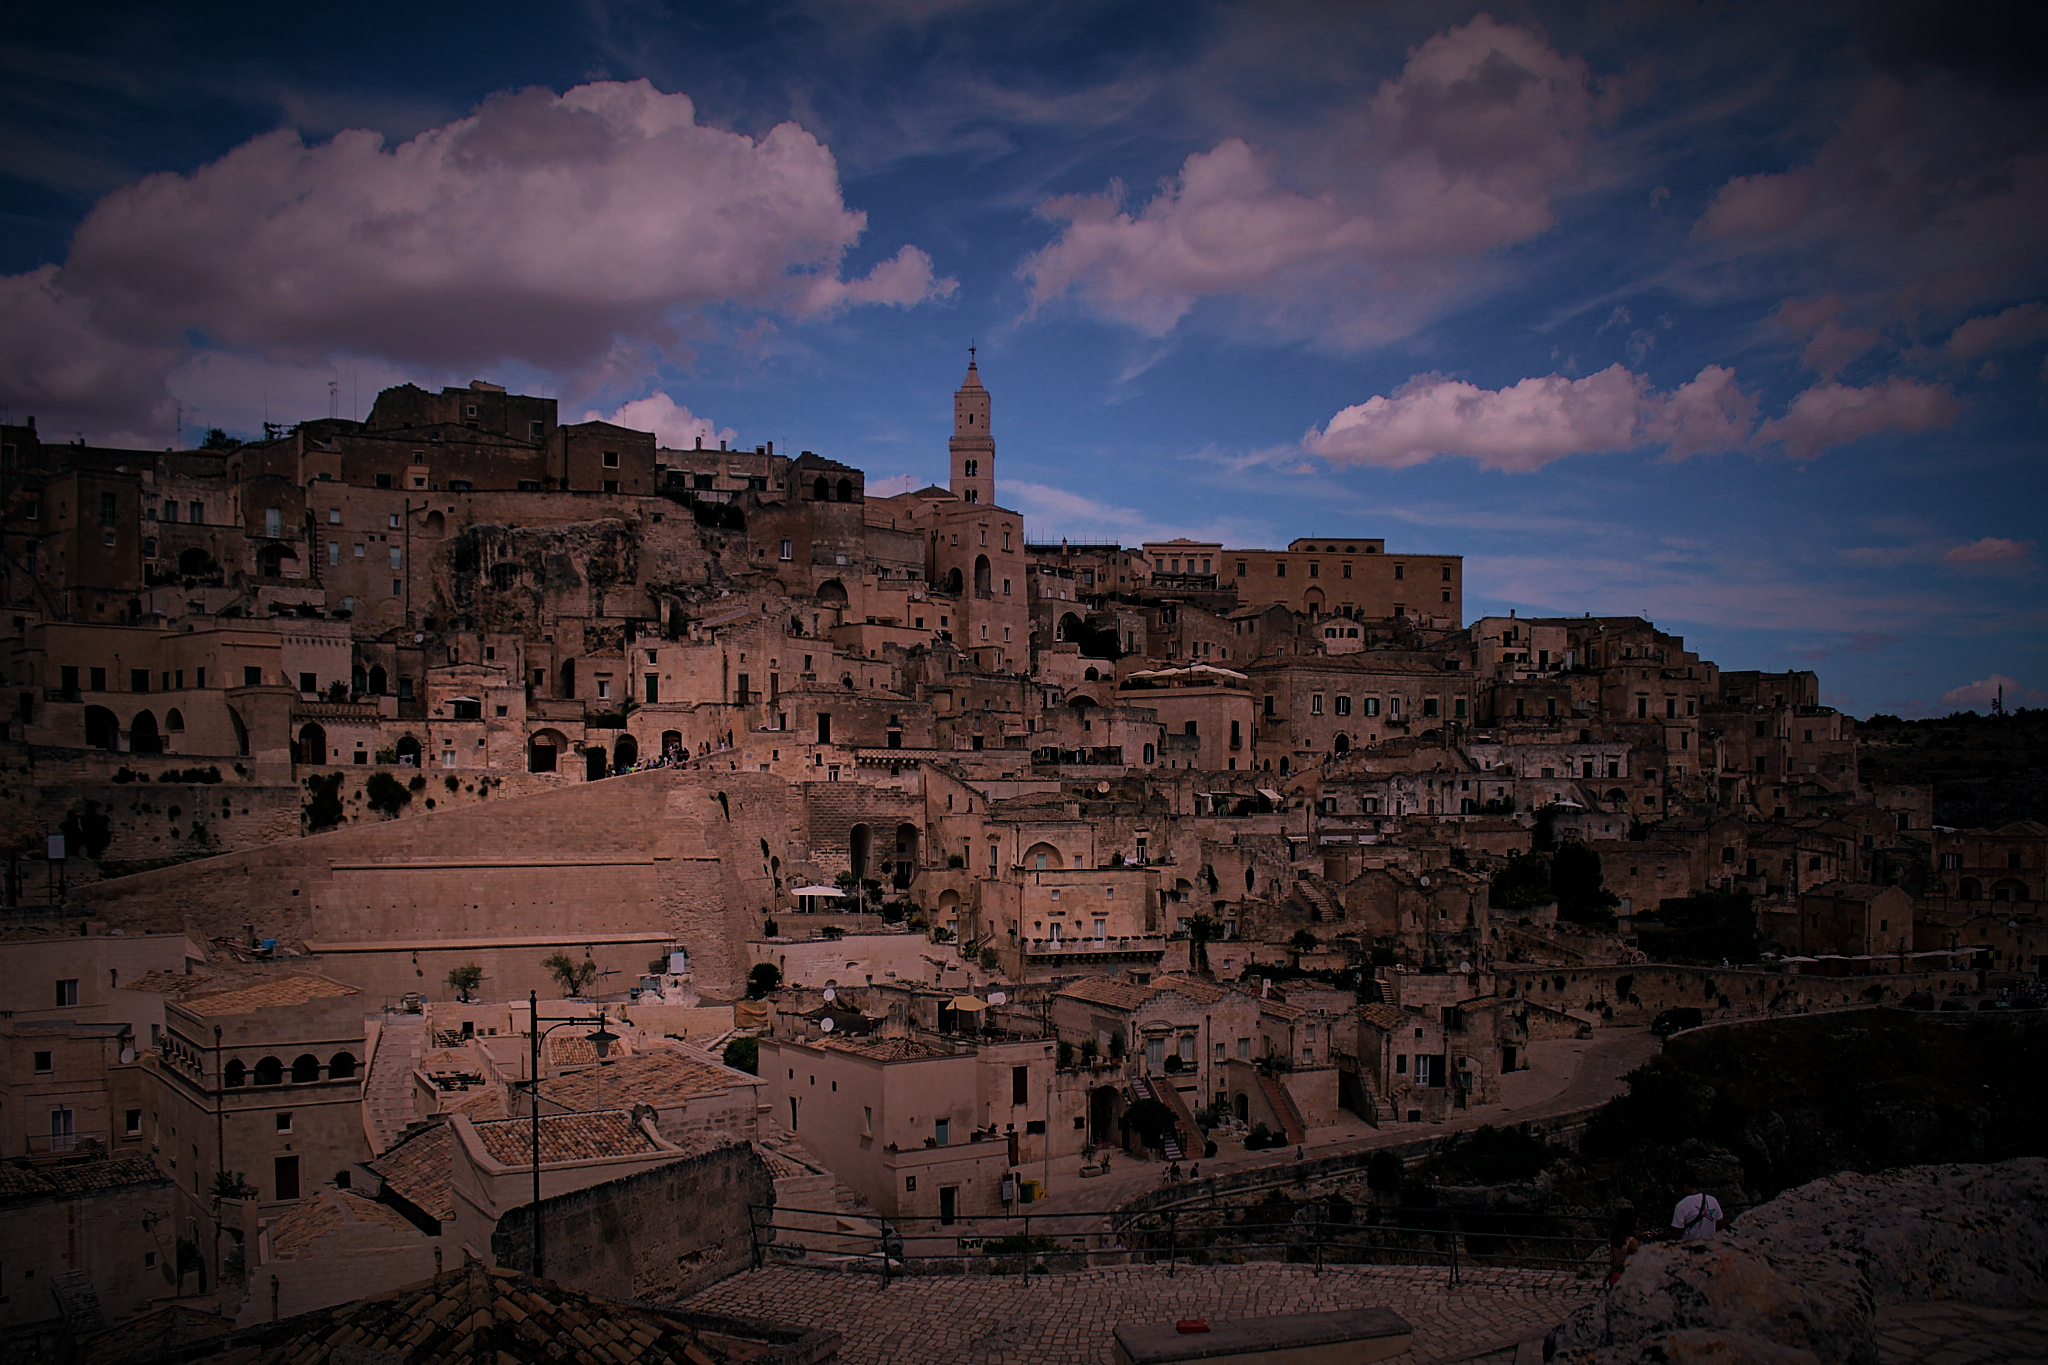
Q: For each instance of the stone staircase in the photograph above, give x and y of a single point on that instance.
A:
(387, 1091)
(1284, 1106)
(1318, 897)
(1143, 1089)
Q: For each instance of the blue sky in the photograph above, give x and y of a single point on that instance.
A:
(1729, 315)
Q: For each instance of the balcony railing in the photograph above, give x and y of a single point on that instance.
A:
(56, 1144)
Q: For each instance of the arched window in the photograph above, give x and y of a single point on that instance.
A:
(983, 583)
(408, 749)
(312, 746)
(379, 680)
(543, 751)
(1043, 857)
(342, 1066)
(142, 734)
(437, 525)
(174, 721)
(305, 1069)
(821, 491)
(1091, 675)
(270, 1071)
(845, 490)
(234, 1075)
(1151, 754)
(102, 731)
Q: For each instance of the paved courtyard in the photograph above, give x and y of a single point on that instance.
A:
(1068, 1319)
(1957, 1334)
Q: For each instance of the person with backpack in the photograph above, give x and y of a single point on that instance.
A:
(1697, 1215)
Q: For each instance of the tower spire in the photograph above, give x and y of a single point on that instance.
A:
(973, 446)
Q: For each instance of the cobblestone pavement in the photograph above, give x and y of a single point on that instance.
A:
(1957, 1334)
(1068, 1319)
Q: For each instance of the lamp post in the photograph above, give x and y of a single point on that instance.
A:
(602, 1039)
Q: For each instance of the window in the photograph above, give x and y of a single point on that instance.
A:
(604, 689)
(67, 992)
(397, 557)
(942, 1129)
(284, 1122)
(286, 1177)
(138, 680)
(611, 486)
(1347, 571)
(1400, 572)
(789, 549)
(1315, 570)
(1280, 568)
(108, 509)
(273, 522)
(132, 1123)
(1315, 704)
(611, 459)
(252, 676)
(43, 1065)
(1372, 706)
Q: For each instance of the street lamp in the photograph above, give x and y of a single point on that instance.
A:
(600, 1038)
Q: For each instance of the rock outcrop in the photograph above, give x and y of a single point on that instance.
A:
(1800, 1279)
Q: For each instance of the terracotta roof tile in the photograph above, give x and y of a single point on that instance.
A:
(663, 1078)
(883, 1049)
(565, 1138)
(1101, 990)
(475, 1316)
(175, 983)
(282, 990)
(416, 1170)
(295, 1230)
(84, 1177)
(1382, 1016)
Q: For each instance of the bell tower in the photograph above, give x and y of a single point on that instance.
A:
(974, 444)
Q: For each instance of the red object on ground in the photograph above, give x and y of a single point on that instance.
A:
(1193, 1324)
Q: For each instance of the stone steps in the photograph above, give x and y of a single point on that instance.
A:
(387, 1097)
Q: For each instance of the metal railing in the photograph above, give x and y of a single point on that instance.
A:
(1312, 1232)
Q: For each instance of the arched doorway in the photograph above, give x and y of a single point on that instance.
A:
(906, 854)
(593, 763)
(544, 751)
(671, 744)
(174, 726)
(408, 751)
(625, 753)
(1342, 743)
(194, 561)
(1244, 1107)
(567, 685)
(982, 581)
(860, 842)
(312, 746)
(953, 581)
(831, 593)
(241, 732)
(143, 737)
(1069, 628)
(379, 680)
(102, 731)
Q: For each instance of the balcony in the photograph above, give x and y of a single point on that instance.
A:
(60, 1144)
(1096, 949)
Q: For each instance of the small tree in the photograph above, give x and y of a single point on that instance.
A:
(1202, 931)
(744, 1054)
(465, 979)
(574, 976)
(765, 977)
(230, 1185)
(1304, 941)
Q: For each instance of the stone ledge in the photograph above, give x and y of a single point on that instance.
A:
(1349, 1336)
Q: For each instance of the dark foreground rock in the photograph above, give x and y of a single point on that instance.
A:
(1800, 1279)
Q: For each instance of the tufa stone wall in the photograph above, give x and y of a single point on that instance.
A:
(661, 1234)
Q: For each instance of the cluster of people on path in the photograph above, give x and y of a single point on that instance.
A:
(676, 755)
(1172, 1174)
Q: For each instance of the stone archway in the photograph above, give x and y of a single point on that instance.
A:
(143, 736)
(312, 745)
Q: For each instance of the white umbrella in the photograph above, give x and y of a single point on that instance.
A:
(819, 891)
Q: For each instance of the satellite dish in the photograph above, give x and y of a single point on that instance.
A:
(830, 994)
(1102, 786)
(997, 997)
(825, 1024)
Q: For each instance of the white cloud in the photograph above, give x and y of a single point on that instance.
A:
(673, 425)
(540, 229)
(1979, 695)
(1835, 414)
(2016, 326)
(1990, 550)
(1529, 424)
(1460, 154)
(893, 485)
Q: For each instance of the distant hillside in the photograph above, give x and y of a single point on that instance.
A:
(1985, 770)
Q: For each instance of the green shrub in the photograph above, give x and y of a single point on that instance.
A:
(386, 794)
(743, 1054)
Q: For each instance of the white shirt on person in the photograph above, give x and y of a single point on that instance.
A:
(1697, 1217)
